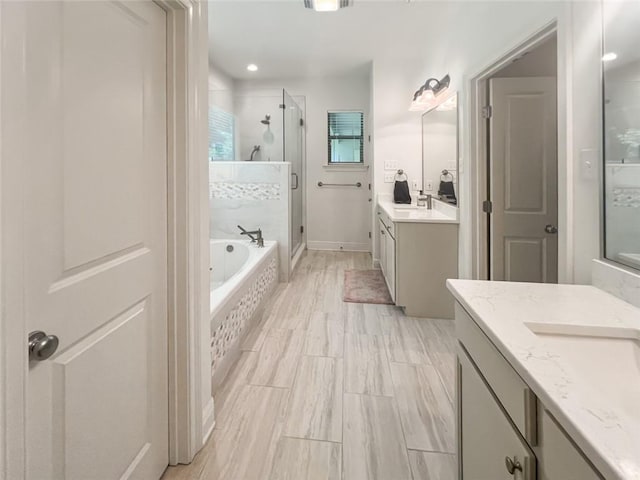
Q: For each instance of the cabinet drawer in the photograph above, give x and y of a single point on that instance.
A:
(391, 228)
(388, 224)
(516, 397)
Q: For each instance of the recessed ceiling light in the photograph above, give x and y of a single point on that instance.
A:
(607, 57)
(252, 67)
(327, 5)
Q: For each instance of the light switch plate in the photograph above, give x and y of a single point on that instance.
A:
(388, 177)
(428, 186)
(588, 163)
(414, 185)
(390, 164)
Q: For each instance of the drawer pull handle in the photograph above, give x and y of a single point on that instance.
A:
(512, 465)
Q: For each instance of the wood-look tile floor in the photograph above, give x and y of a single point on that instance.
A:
(332, 390)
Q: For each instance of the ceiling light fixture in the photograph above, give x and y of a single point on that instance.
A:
(252, 67)
(327, 5)
(607, 57)
(426, 97)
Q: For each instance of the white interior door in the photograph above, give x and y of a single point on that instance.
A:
(95, 232)
(524, 179)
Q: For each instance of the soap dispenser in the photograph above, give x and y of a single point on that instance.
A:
(421, 199)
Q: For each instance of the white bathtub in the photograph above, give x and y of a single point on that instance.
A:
(232, 263)
(243, 276)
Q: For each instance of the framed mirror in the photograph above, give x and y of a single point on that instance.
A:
(621, 109)
(440, 151)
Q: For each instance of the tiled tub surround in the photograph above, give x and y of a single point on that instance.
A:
(241, 284)
(573, 383)
(254, 195)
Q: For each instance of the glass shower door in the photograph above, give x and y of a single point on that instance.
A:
(293, 153)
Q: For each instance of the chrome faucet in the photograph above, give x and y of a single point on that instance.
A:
(258, 236)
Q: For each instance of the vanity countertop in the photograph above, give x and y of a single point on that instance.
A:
(440, 213)
(594, 396)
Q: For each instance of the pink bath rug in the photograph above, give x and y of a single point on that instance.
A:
(366, 286)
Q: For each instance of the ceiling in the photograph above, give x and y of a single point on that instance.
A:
(287, 40)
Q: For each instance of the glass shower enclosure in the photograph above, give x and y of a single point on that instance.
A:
(293, 147)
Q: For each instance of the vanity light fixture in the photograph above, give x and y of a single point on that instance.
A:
(252, 67)
(426, 96)
(608, 57)
(327, 5)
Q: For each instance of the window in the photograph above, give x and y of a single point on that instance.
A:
(346, 137)
(221, 135)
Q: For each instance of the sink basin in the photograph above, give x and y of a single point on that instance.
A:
(401, 206)
(608, 358)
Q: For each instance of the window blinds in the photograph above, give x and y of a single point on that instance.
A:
(221, 135)
(345, 137)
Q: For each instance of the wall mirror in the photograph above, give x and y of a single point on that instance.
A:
(440, 151)
(621, 67)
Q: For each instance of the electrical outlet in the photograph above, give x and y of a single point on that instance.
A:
(414, 185)
(388, 177)
(390, 164)
(428, 186)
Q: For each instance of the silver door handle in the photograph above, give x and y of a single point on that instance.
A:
(295, 175)
(42, 346)
(551, 229)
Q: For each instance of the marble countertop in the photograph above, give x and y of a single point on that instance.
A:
(608, 434)
(440, 213)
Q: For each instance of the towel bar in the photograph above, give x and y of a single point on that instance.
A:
(357, 185)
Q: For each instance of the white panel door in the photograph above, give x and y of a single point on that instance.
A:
(95, 232)
(524, 179)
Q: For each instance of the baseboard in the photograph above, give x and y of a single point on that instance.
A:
(208, 421)
(298, 256)
(339, 246)
(376, 263)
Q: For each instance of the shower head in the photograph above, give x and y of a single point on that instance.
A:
(267, 120)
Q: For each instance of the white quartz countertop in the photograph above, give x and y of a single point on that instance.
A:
(440, 213)
(605, 428)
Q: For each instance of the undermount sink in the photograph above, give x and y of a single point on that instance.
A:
(609, 357)
(404, 206)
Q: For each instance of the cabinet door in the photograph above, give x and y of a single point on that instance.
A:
(487, 436)
(383, 248)
(391, 265)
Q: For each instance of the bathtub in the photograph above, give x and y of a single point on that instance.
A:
(242, 277)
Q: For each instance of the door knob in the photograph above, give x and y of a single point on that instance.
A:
(41, 346)
(512, 465)
(551, 229)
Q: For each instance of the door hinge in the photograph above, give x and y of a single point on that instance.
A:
(369, 138)
(487, 206)
(369, 234)
(301, 228)
(487, 112)
(369, 186)
(302, 122)
(282, 106)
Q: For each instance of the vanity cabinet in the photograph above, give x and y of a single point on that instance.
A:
(504, 431)
(388, 256)
(416, 259)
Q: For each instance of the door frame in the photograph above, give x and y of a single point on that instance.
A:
(478, 143)
(190, 403)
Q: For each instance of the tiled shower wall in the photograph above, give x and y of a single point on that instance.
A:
(253, 195)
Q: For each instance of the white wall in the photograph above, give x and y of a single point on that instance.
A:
(221, 89)
(477, 35)
(336, 217)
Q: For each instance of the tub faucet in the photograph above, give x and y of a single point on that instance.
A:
(258, 236)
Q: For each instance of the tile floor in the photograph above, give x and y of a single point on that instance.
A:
(332, 390)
